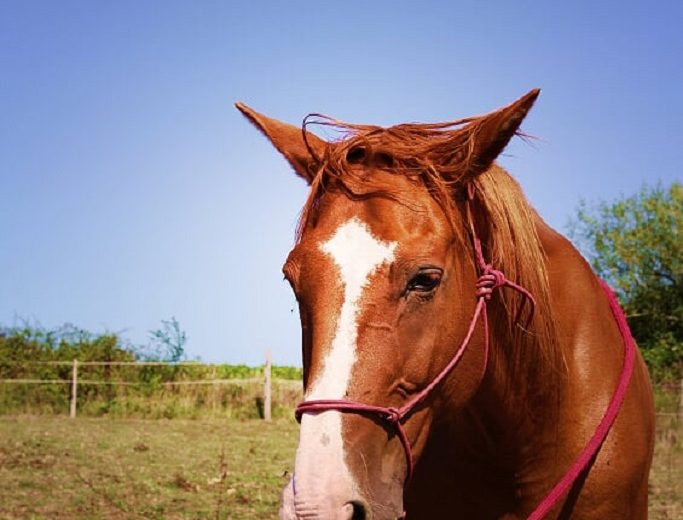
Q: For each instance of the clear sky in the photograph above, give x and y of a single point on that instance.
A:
(133, 191)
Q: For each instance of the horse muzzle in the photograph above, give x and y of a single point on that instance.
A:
(327, 506)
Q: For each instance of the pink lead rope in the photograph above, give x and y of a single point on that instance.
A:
(590, 451)
(489, 280)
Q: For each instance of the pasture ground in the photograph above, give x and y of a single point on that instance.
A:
(56, 468)
(53, 467)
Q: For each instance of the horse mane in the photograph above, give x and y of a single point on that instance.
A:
(431, 155)
(514, 247)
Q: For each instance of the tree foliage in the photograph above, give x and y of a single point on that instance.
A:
(167, 343)
(635, 244)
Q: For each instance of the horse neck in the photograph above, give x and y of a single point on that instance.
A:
(513, 398)
(520, 396)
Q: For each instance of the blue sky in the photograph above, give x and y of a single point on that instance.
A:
(133, 191)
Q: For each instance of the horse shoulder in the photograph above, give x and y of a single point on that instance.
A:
(593, 351)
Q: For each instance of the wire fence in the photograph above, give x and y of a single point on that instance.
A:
(255, 395)
(152, 389)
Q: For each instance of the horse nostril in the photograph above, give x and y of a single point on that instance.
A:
(355, 510)
(359, 512)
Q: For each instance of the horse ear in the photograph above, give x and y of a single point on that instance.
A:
(289, 141)
(484, 139)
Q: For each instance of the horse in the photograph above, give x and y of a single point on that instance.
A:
(461, 359)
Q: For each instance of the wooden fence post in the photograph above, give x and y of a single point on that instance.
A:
(267, 396)
(74, 389)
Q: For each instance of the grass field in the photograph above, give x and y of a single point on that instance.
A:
(56, 468)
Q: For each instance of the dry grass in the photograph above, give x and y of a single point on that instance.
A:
(666, 481)
(53, 467)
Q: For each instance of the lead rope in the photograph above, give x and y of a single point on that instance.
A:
(591, 449)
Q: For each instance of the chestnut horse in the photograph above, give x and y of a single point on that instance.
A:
(458, 353)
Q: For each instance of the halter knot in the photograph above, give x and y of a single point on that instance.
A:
(393, 415)
(490, 280)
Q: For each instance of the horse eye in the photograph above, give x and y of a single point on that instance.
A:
(425, 281)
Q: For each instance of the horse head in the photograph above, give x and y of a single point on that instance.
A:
(384, 271)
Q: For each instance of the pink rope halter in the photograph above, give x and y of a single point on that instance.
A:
(489, 280)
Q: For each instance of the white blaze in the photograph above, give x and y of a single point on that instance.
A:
(320, 462)
(357, 254)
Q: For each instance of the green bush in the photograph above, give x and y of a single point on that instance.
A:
(636, 244)
(154, 391)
